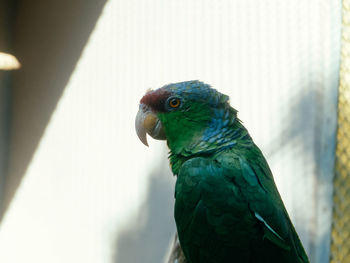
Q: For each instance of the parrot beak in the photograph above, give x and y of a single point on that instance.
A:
(147, 122)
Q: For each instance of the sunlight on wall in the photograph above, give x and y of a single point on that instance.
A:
(8, 62)
(88, 177)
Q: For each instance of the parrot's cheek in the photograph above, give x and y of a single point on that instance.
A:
(147, 122)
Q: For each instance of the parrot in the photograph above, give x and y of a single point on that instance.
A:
(227, 206)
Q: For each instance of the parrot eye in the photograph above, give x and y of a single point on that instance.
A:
(174, 102)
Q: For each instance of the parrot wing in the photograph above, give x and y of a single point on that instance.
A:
(233, 192)
(266, 203)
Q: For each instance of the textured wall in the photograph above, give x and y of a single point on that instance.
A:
(48, 37)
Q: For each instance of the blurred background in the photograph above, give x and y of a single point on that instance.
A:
(76, 184)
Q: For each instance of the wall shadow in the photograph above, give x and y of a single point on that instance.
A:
(147, 238)
(49, 37)
(310, 128)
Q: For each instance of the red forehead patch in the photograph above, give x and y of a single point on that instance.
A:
(156, 99)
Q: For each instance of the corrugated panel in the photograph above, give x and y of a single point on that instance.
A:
(340, 247)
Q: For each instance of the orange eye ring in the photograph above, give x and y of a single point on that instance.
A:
(174, 103)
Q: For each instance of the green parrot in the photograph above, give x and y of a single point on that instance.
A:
(227, 206)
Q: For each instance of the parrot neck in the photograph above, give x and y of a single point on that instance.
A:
(225, 131)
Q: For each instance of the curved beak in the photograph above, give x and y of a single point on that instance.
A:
(147, 122)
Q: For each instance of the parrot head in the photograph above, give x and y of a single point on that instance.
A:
(186, 114)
